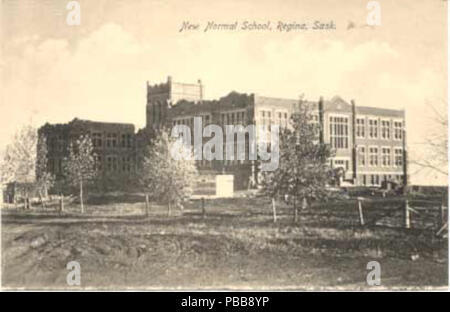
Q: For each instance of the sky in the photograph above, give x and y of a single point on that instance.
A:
(54, 72)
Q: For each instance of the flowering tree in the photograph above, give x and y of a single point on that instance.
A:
(25, 162)
(19, 161)
(79, 166)
(168, 178)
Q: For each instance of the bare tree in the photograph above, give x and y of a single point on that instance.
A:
(435, 147)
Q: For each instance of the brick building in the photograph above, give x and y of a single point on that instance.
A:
(114, 146)
(369, 142)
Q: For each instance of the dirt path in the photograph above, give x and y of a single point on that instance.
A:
(235, 251)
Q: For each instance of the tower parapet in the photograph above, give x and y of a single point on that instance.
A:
(162, 96)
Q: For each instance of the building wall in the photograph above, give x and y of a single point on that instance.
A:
(338, 120)
(114, 146)
(388, 138)
(233, 109)
(337, 113)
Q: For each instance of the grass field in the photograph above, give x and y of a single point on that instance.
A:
(236, 246)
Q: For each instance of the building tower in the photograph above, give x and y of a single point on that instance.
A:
(161, 97)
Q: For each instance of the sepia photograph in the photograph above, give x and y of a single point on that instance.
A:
(296, 145)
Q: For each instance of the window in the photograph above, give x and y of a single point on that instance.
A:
(111, 140)
(314, 118)
(97, 139)
(281, 119)
(362, 156)
(60, 143)
(385, 129)
(398, 130)
(398, 157)
(129, 140)
(373, 128)
(51, 165)
(373, 156)
(265, 117)
(339, 132)
(126, 164)
(341, 163)
(374, 179)
(98, 163)
(386, 156)
(360, 128)
(111, 163)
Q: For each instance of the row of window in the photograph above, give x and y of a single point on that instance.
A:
(98, 140)
(112, 140)
(113, 164)
(384, 159)
(339, 130)
(233, 118)
(189, 121)
(55, 165)
(280, 118)
(56, 143)
(376, 130)
(183, 121)
(377, 179)
(340, 163)
(226, 162)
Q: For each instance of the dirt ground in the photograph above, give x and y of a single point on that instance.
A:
(236, 246)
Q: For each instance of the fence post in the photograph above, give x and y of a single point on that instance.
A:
(61, 204)
(442, 213)
(360, 210)
(146, 205)
(274, 210)
(304, 203)
(295, 210)
(203, 208)
(407, 215)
